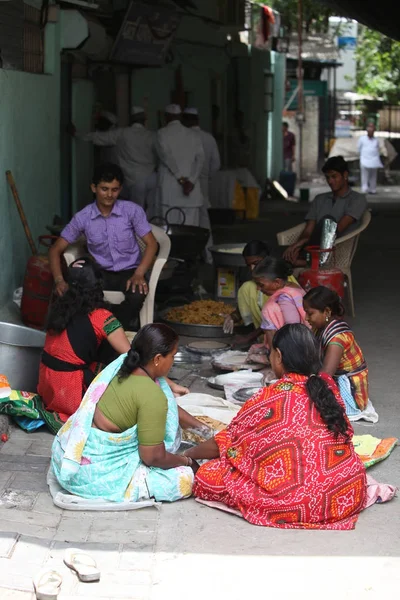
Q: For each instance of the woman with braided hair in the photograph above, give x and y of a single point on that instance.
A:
(287, 460)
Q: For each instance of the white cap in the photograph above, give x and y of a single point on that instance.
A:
(137, 110)
(173, 109)
(109, 116)
(191, 111)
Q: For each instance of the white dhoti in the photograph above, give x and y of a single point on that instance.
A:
(368, 180)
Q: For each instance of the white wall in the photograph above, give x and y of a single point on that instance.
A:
(345, 75)
(310, 136)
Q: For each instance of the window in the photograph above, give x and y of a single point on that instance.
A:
(33, 40)
(21, 37)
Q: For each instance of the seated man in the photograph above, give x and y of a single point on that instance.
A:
(110, 227)
(343, 204)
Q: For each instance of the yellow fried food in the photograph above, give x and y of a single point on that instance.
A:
(200, 312)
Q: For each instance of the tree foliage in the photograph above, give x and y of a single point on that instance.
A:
(378, 66)
(315, 14)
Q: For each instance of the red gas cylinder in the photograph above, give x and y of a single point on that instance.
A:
(316, 275)
(37, 288)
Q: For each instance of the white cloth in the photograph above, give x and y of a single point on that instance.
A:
(212, 162)
(135, 150)
(368, 180)
(142, 190)
(173, 109)
(137, 110)
(180, 152)
(191, 111)
(369, 152)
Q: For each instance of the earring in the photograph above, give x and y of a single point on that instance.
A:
(327, 318)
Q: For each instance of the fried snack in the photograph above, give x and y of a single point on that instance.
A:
(200, 312)
(190, 436)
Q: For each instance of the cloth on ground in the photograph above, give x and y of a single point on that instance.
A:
(353, 412)
(372, 450)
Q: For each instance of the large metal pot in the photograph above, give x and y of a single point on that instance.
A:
(187, 241)
(20, 349)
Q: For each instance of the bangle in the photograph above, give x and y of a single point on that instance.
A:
(189, 461)
(59, 279)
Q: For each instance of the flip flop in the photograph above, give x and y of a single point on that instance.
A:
(47, 584)
(82, 563)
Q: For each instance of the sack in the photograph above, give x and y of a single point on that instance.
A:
(20, 404)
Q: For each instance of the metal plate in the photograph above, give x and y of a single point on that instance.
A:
(216, 386)
(203, 331)
(207, 347)
(245, 393)
(222, 363)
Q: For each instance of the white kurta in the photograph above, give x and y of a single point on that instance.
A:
(136, 155)
(181, 154)
(212, 162)
(369, 150)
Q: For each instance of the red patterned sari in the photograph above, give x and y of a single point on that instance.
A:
(280, 466)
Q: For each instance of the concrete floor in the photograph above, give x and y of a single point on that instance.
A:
(200, 552)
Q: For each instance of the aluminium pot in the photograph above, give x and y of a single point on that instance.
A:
(20, 351)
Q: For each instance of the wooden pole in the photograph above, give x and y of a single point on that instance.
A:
(14, 191)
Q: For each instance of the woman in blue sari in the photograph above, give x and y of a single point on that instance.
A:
(121, 445)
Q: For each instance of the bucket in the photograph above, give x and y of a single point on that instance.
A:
(20, 350)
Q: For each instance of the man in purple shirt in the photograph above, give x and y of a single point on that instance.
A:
(111, 227)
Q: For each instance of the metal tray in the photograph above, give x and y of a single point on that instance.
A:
(215, 386)
(204, 331)
(245, 393)
(207, 351)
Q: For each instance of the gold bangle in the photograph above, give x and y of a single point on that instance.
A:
(59, 279)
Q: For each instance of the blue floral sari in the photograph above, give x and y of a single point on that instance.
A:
(92, 463)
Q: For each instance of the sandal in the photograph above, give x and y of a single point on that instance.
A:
(82, 563)
(47, 584)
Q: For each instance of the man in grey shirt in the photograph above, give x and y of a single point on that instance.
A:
(342, 204)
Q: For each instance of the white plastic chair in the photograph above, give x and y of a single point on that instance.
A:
(345, 249)
(147, 312)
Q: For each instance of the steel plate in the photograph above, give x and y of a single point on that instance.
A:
(245, 393)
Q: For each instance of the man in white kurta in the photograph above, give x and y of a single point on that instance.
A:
(370, 161)
(212, 160)
(181, 159)
(135, 147)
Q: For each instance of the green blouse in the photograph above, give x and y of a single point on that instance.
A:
(136, 400)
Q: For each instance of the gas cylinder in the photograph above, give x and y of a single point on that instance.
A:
(331, 278)
(37, 288)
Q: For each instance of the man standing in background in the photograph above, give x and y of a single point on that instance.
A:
(289, 148)
(181, 156)
(136, 155)
(370, 161)
(212, 164)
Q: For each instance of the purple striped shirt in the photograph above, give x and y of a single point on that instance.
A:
(111, 240)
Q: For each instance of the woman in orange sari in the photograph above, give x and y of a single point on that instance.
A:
(287, 460)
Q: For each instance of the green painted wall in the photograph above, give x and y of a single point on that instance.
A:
(29, 147)
(275, 142)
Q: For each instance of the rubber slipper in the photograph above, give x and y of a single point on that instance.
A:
(47, 584)
(82, 563)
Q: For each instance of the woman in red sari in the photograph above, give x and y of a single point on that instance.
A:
(287, 460)
(82, 336)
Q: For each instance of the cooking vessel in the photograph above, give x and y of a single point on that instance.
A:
(20, 350)
(187, 241)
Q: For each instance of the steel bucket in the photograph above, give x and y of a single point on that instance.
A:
(20, 349)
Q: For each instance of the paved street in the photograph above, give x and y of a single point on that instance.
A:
(185, 550)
